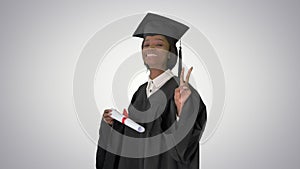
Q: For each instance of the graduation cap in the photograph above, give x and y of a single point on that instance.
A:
(160, 25)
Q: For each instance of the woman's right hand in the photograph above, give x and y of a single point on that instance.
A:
(106, 116)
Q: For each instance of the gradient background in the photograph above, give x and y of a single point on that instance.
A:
(257, 43)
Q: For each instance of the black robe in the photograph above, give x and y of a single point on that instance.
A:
(183, 155)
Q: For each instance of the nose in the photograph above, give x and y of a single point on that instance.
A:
(152, 45)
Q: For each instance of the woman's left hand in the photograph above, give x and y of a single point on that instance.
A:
(183, 91)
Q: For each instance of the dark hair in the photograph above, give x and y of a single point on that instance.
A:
(173, 49)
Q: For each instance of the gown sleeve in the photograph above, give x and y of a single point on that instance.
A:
(105, 159)
(186, 150)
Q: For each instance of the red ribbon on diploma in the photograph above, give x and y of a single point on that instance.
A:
(123, 120)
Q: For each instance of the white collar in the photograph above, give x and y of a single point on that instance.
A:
(161, 79)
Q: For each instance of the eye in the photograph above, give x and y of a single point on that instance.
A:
(159, 45)
(146, 45)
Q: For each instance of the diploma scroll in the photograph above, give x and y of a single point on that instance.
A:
(128, 122)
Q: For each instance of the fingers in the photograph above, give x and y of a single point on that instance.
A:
(188, 75)
(125, 113)
(177, 96)
(107, 112)
(106, 116)
(177, 93)
(183, 88)
(182, 82)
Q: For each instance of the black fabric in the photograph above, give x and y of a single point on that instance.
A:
(185, 155)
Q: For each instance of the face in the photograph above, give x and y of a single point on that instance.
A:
(156, 52)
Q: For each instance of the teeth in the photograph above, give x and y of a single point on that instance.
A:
(151, 54)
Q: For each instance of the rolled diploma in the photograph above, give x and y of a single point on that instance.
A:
(128, 122)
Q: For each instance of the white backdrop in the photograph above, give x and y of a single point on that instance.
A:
(257, 43)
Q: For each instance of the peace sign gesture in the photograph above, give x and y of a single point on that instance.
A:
(182, 93)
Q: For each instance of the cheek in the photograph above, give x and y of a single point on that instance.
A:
(144, 54)
(163, 54)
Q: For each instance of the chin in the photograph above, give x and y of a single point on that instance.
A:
(157, 67)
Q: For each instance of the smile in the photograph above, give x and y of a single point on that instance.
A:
(151, 55)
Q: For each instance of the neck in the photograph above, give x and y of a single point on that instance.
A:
(155, 72)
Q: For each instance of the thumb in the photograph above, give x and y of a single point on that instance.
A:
(125, 113)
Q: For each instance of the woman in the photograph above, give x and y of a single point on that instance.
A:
(165, 106)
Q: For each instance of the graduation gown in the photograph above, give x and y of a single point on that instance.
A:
(183, 155)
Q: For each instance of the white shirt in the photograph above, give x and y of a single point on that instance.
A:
(155, 84)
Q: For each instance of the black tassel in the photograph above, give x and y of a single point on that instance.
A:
(179, 61)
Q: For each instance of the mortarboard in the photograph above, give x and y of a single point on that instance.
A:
(156, 24)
